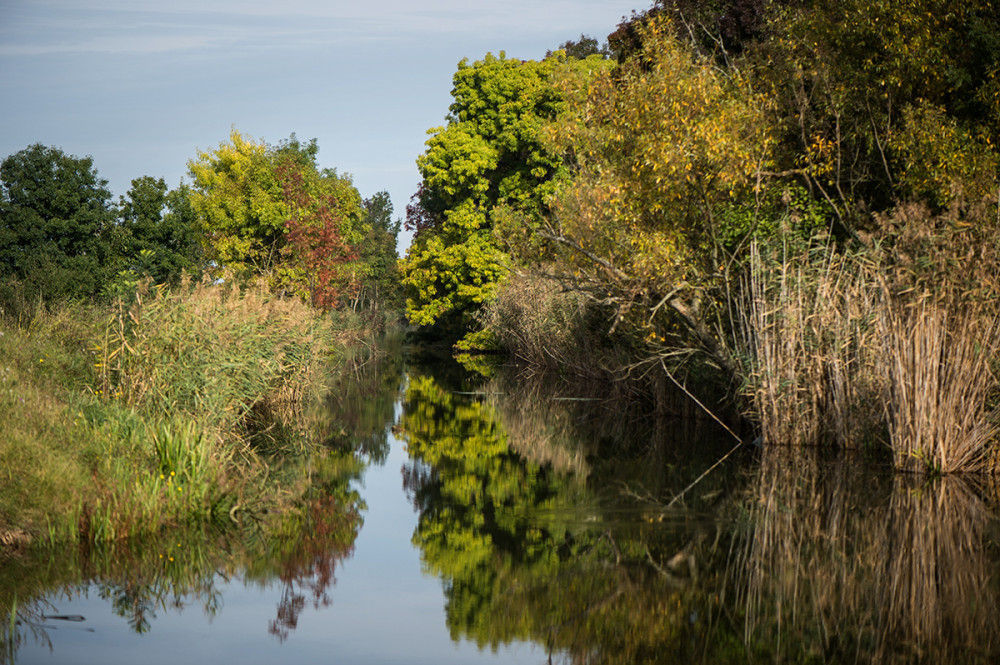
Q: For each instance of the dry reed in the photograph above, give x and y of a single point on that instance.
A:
(833, 353)
(942, 384)
(808, 333)
(215, 353)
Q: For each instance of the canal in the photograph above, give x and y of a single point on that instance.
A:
(462, 520)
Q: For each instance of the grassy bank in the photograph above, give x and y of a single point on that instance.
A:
(180, 406)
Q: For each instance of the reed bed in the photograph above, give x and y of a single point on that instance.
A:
(549, 328)
(942, 385)
(171, 408)
(834, 353)
(225, 354)
(808, 335)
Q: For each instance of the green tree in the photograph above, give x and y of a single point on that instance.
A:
(581, 48)
(487, 159)
(864, 88)
(56, 214)
(159, 231)
(380, 287)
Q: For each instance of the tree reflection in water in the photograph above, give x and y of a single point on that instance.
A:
(299, 547)
(803, 556)
(307, 549)
(528, 550)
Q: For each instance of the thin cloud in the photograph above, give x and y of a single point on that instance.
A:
(128, 27)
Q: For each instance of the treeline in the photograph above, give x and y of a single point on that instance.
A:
(251, 210)
(787, 208)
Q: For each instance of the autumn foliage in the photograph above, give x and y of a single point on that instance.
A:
(317, 256)
(271, 210)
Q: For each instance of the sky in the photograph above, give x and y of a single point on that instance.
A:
(142, 87)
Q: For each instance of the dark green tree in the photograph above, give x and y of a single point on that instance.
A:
(55, 217)
(581, 48)
(159, 231)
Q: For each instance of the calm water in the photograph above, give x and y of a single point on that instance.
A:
(505, 521)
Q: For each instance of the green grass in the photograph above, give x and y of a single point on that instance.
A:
(120, 420)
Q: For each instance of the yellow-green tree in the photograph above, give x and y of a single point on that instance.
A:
(486, 158)
(660, 152)
(239, 199)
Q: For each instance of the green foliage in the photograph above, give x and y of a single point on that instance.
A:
(157, 234)
(661, 151)
(941, 161)
(843, 76)
(55, 218)
(581, 48)
(489, 156)
(240, 202)
(380, 287)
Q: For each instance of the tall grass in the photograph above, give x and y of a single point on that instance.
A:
(550, 329)
(809, 334)
(164, 410)
(839, 349)
(230, 356)
(942, 385)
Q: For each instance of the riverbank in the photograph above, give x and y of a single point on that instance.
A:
(181, 406)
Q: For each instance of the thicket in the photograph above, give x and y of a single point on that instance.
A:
(784, 209)
(252, 209)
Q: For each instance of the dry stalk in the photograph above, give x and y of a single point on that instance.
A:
(942, 383)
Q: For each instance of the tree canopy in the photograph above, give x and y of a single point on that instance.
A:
(270, 210)
(56, 215)
(488, 158)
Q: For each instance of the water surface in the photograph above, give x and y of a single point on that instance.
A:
(508, 521)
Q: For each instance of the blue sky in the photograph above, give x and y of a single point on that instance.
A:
(141, 86)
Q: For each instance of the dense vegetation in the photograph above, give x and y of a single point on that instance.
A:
(785, 210)
(252, 210)
(161, 357)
